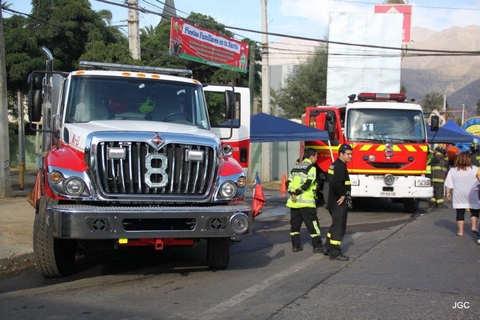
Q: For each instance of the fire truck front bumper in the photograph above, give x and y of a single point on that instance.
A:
(390, 186)
(114, 222)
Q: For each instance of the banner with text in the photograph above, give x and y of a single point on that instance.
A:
(208, 47)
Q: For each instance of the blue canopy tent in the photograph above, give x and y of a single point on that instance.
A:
(268, 128)
(449, 133)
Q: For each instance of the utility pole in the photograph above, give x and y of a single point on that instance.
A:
(251, 75)
(21, 142)
(266, 146)
(133, 29)
(5, 183)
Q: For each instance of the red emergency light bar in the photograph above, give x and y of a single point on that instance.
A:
(371, 96)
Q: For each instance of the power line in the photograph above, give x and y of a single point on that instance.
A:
(429, 52)
(32, 17)
(413, 6)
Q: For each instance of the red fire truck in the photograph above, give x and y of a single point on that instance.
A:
(130, 158)
(388, 136)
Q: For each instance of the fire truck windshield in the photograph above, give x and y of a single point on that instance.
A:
(92, 98)
(385, 125)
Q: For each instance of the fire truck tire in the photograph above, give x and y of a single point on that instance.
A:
(54, 258)
(410, 205)
(218, 252)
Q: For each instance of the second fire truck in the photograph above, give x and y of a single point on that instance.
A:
(389, 140)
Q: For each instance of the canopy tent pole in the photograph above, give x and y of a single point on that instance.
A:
(288, 161)
(331, 151)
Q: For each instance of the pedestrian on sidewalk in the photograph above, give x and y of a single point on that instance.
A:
(338, 202)
(462, 189)
(302, 185)
(438, 171)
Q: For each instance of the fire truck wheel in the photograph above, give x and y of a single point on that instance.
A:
(54, 258)
(410, 205)
(218, 252)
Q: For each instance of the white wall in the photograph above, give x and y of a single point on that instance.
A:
(353, 69)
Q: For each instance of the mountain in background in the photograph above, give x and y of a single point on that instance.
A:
(458, 77)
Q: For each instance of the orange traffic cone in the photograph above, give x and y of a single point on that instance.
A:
(283, 188)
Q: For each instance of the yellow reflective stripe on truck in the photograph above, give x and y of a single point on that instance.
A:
(389, 170)
(367, 147)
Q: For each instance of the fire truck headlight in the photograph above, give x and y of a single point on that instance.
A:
(241, 182)
(228, 190)
(74, 186)
(422, 182)
(56, 177)
(239, 223)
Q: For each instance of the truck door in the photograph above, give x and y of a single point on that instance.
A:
(232, 129)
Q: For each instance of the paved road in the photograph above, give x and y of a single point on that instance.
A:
(401, 267)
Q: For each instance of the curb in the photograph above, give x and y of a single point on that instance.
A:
(16, 263)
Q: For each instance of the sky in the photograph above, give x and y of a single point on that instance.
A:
(301, 18)
(295, 18)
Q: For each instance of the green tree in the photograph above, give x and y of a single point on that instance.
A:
(478, 107)
(68, 28)
(432, 101)
(305, 86)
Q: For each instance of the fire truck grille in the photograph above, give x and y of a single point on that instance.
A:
(379, 165)
(138, 168)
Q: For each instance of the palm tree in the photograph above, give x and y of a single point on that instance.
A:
(148, 32)
(106, 16)
(432, 101)
(6, 5)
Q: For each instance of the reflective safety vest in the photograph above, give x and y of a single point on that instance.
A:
(429, 167)
(302, 172)
(439, 169)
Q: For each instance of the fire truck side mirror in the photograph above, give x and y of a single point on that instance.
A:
(330, 124)
(35, 81)
(434, 123)
(229, 105)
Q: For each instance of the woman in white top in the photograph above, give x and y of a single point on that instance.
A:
(462, 186)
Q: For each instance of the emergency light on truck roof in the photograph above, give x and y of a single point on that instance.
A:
(372, 96)
(127, 67)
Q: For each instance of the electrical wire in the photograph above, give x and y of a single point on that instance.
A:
(407, 51)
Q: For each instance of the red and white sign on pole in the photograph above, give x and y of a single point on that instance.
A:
(404, 9)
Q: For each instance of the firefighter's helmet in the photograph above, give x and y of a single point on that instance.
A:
(474, 145)
(441, 150)
(147, 106)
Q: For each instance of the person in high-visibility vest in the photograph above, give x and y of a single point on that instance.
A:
(302, 185)
(437, 176)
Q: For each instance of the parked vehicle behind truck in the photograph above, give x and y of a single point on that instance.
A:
(129, 158)
(389, 141)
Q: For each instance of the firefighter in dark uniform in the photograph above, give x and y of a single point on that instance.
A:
(302, 185)
(438, 168)
(475, 153)
(475, 156)
(338, 202)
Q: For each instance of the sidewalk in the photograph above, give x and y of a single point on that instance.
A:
(16, 225)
